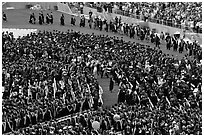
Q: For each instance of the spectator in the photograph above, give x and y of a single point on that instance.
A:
(4, 17)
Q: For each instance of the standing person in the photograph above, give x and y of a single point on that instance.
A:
(121, 94)
(90, 14)
(162, 36)
(62, 20)
(168, 42)
(157, 41)
(73, 20)
(82, 21)
(81, 8)
(152, 37)
(181, 46)
(90, 21)
(100, 24)
(32, 18)
(51, 18)
(42, 16)
(95, 70)
(106, 25)
(47, 19)
(4, 17)
(111, 85)
(142, 34)
(95, 22)
(132, 32)
(40, 19)
(175, 43)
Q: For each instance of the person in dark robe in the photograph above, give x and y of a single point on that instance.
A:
(82, 21)
(33, 119)
(90, 14)
(85, 105)
(152, 38)
(8, 126)
(47, 115)
(181, 46)
(21, 123)
(168, 42)
(142, 35)
(32, 18)
(90, 21)
(83, 121)
(103, 125)
(144, 101)
(42, 16)
(14, 123)
(34, 93)
(132, 32)
(27, 120)
(40, 19)
(58, 112)
(47, 19)
(175, 45)
(40, 115)
(157, 41)
(128, 98)
(4, 17)
(62, 20)
(95, 99)
(51, 18)
(100, 24)
(121, 96)
(106, 25)
(64, 111)
(95, 22)
(127, 29)
(111, 85)
(73, 20)
(153, 99)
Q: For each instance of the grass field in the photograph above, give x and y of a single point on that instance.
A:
(19, 19)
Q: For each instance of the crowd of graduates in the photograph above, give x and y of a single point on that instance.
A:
(50, 82)
(43, 78)
(144, 33)
(49, 75)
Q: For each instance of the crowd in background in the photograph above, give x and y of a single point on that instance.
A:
(49, 75)
(185, 15)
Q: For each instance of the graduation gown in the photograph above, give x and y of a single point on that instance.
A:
(47, 115)
(85, 105)
(121, 96)
(62, 20)
(33, 119)
(111, 85)
(40, 20)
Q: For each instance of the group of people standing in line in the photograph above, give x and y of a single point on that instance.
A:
(41, 19)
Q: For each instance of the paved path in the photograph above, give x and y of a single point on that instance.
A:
(109, 98)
